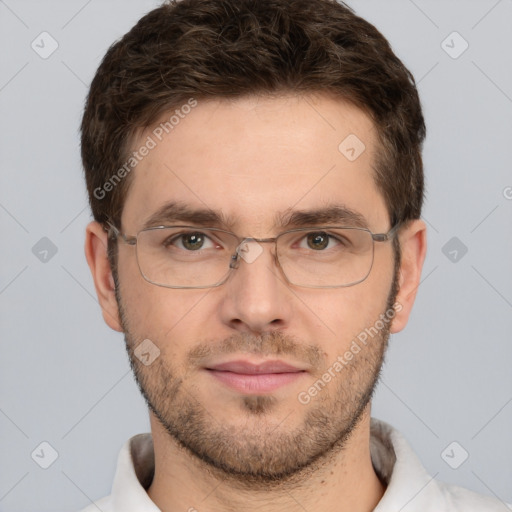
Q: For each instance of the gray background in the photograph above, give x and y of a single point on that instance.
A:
(64, 376)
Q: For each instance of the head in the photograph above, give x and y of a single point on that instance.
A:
(255, 117)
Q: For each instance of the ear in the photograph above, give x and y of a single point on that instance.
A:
(413, 243)
(96, 254)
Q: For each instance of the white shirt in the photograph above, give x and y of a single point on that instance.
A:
(409, 487)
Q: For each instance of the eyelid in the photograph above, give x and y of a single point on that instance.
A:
(185, 230)
(301, 237)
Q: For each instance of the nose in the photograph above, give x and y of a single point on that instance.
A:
(256, 296)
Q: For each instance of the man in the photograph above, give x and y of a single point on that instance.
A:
(254, 171)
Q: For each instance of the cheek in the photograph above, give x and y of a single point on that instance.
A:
(338, 315)
(152, 311)
(344, 313)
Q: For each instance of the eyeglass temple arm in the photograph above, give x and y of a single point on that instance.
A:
(384, 237)
(130, 240)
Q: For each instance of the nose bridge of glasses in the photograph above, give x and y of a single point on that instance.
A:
(249, 249)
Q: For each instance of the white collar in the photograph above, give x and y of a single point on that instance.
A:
(409, 487)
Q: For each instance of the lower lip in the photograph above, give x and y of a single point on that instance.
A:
(257, 383)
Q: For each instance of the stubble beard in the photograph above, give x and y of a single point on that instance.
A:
(264, 452)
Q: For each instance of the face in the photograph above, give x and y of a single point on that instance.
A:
(238, 364)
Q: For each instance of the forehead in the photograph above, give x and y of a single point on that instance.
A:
(256, 159)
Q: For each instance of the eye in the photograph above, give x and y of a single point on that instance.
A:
(319, 241)
(193, 241)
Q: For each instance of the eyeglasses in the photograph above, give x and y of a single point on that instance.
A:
(196, 257)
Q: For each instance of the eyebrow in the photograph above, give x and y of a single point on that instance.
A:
(329, 215)
(335, 214)
(179, 212)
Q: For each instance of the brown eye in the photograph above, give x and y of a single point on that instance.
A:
(318, 241)
(192, 241)
(189, 241)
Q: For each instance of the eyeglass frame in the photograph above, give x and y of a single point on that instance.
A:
(235, 258)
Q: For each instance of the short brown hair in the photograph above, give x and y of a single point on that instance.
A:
(231, 48)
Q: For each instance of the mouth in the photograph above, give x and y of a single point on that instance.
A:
(250, 378)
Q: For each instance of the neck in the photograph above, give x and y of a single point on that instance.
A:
(344, 481)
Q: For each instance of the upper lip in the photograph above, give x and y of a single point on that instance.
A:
(248, 368)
